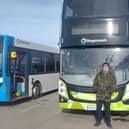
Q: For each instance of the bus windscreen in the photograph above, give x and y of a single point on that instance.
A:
(79, 66)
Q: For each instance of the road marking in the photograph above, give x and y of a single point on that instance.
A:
(36, 103)
(30, 108)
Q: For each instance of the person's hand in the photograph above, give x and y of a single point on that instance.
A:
(93, 75)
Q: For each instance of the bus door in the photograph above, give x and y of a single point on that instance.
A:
(18, 70)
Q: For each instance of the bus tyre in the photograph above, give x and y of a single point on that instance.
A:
(36, 90)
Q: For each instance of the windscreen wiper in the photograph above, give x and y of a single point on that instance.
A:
(109, 60)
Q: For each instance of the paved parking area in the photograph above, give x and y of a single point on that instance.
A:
(44, 113)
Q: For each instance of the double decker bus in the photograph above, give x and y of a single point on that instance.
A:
(93, 32)
(26, 69)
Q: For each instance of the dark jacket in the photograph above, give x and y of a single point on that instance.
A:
(104, 84)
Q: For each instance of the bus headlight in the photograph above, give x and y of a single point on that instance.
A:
(126, 93)
(62, 90)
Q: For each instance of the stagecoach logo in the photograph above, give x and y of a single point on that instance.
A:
(86, 40)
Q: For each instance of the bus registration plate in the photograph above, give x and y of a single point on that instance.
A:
(91, 108)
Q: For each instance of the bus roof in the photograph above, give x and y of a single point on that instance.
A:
(35, 46)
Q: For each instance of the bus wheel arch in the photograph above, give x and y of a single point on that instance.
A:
(36, 89)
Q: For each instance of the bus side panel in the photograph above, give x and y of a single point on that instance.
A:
(49, 82)
(5, 90)
(5, 81)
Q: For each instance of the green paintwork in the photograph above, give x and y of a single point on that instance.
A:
(118, 106)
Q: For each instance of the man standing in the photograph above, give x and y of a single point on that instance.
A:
(104, 84)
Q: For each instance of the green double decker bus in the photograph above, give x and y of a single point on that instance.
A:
(93, 32)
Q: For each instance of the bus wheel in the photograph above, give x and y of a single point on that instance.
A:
(36, 90)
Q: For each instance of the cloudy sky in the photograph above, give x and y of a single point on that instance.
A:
(31, 20)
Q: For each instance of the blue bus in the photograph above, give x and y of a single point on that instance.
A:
(26, 69)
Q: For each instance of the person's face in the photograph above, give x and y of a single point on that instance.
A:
(106, 68)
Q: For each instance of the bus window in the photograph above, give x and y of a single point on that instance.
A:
(23, 64)
(36, 64)
(43, 66)
(50, 67)
(57, 63)
(80, 8)
(69, 10)
(18, 64)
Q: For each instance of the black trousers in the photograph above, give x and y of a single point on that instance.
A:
(99, 113)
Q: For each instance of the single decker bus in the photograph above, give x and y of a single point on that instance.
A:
(26, 69)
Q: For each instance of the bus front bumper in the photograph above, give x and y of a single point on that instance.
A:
(74, 105)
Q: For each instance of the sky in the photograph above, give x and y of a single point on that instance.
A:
(31, 20)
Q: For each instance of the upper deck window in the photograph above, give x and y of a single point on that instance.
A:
(82, 8)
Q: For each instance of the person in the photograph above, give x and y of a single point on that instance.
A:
(104, 84)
